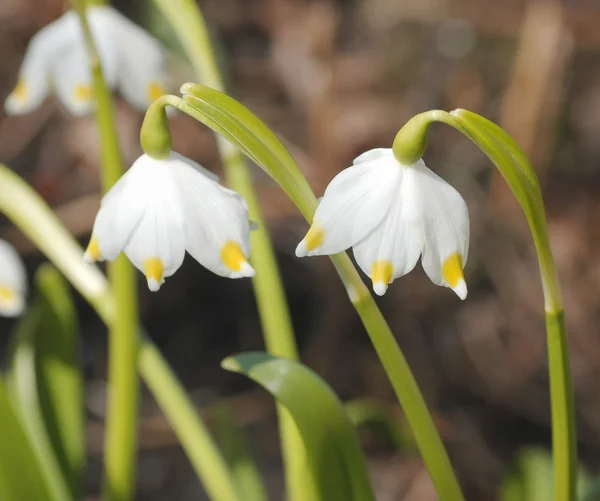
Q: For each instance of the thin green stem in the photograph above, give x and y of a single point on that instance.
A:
(190, 26)
(405, 386)
(121, 423)
(563, 409)
(195, 438)
(519, 174)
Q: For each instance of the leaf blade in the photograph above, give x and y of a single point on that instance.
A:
(340, 469)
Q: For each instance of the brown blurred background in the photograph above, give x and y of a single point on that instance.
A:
(334, 78)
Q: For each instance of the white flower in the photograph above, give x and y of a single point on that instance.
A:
(13, 281)
(56, 59)
(390, 214)
(161, 208)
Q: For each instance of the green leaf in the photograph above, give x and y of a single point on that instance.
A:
(333, 449)
(27, 471)
(235, 449)
(46, 382)
(58, 374)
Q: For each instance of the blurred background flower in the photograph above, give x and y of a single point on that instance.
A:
(335, 78)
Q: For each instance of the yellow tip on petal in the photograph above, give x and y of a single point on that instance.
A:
(313, 239)
(155, 90)
(21, 92)
(233, 257)
(7, 294)
(92, 253)
(12, 302)
(381, 275)
(154, 269)
(83, 93)
(452, 271)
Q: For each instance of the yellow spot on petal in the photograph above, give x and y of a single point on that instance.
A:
(154, 268)
(83, 93)
(7, 294)
(21, 92)
(155, 90)
(452, 269)
(381, 271)
(93, 250)
(314, 238)
(232, 256)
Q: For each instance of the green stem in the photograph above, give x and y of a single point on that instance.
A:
(405, 386)
(121, 423)
(190, 26)
(195, 438)
(563, 409)
(25, 208)
(519, 174)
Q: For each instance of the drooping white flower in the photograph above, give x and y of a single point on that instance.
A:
(13, 281)
(390, 214)
(161, 208)
(56, 60)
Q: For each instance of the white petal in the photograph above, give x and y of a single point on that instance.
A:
(374, 155)
(217, 224)
(440, 220)
(43, 49)
(390, 251)
(141, 63)
(354, 204)
(72, 80)
(157, 245)
(13, 281)
(122, 209)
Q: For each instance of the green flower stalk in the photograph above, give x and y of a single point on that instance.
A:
(190, 26)
(513, 164)
(121, 424)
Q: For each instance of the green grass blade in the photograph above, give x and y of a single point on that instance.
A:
(29, 468)
(58, 376)
(333, 449)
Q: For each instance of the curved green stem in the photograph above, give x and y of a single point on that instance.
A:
(224, 115)
(513, 164)
(24, 207)
(190, 26)
(121, 424)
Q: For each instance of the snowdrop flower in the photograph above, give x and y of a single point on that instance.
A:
(162, 207)
(13, 281)
(56, 59)
(390, 214)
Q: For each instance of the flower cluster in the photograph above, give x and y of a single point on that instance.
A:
(389, 213)
(56, 60)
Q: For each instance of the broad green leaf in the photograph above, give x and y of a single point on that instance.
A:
(333, 448)
(235, 449)
(46, 383)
